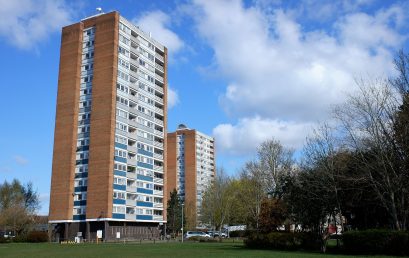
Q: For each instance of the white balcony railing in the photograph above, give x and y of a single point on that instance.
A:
(158, 180)
(159, 57)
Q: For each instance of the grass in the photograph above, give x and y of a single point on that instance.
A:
(162, 250)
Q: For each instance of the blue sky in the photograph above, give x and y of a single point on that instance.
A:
(242, 71)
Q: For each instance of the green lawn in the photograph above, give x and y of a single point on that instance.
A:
(162, 250)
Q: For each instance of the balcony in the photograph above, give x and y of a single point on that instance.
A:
(159, 67)
(157, 217)
(159, 111)
(159, 78)
(158, 121)
(159, 57)
(158, 144)
(158, 205)
(158, 133)
(157, 192)
(158, 180)
(159, 99)
(158, 156)
(158, 168)
(159, 89)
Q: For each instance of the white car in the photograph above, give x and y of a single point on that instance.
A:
(190, 234)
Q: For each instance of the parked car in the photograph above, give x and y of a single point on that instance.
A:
(217, 234)
(190, 234)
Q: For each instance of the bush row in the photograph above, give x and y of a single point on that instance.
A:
(376, 242)
(283, 241)
(31, 237)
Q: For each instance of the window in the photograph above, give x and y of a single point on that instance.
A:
(145, 135)
(118, 209)
(121, 113)
(119, 195)
(123, 76)
(120, 167)
(88, 55)
(79, 211)
(145, 147)
(144, 122)
(120, 153)
(80, 182)
(89, 32)
(122, 100)
(121, 139)
(144, 159)
(119, 180)
(82, 169)
(124, 28)
(123, 51)
(83, 142)
(123, 63)
(121, 126)
(124, 39)
(84, 129)
(122, 88)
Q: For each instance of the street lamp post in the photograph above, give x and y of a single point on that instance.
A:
(182, 220)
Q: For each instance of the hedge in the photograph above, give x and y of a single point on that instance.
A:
(376, 241)
(283, 241)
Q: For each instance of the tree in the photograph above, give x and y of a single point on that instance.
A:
(368, 118)
(174, 213)
(272, 215)
(18, 205)
(218, 201)
(275, 162)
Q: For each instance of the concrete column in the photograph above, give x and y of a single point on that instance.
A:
(88, 233)
(66, 227)
(106, 231)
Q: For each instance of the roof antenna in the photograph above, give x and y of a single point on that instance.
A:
(99, 10)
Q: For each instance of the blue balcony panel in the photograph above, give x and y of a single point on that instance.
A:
(143, 190)
(119, 201)
(120, 187)
(80, 203)
(119, 173)
(121, 146)
(81, 175)
(123, 160)
(78, 217)
(144, 217)
(118, 216)
(144, 204)
(80, 189)
(145, 165)
(146, 178)
(146, 153)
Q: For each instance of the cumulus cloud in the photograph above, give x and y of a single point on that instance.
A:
(280, 71)
(158, 22)
(25, 23)
(245, 136)
(173, 98)
(20, 160)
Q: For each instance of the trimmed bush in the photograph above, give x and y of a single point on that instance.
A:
(37, 237)
(201, 239)
(238, 233)
(283, 241)
(376, 241)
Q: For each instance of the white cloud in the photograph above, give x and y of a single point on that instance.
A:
(279, 71)
(248, 133)
(20, 160)
(157, 22)
(25, 23)
(173, 98)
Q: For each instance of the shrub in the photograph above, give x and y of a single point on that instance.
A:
(4, 240)
(376, 241)
(201, 239)
(20, 238)
(282, 241)
(37, 237)
(238, 233)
